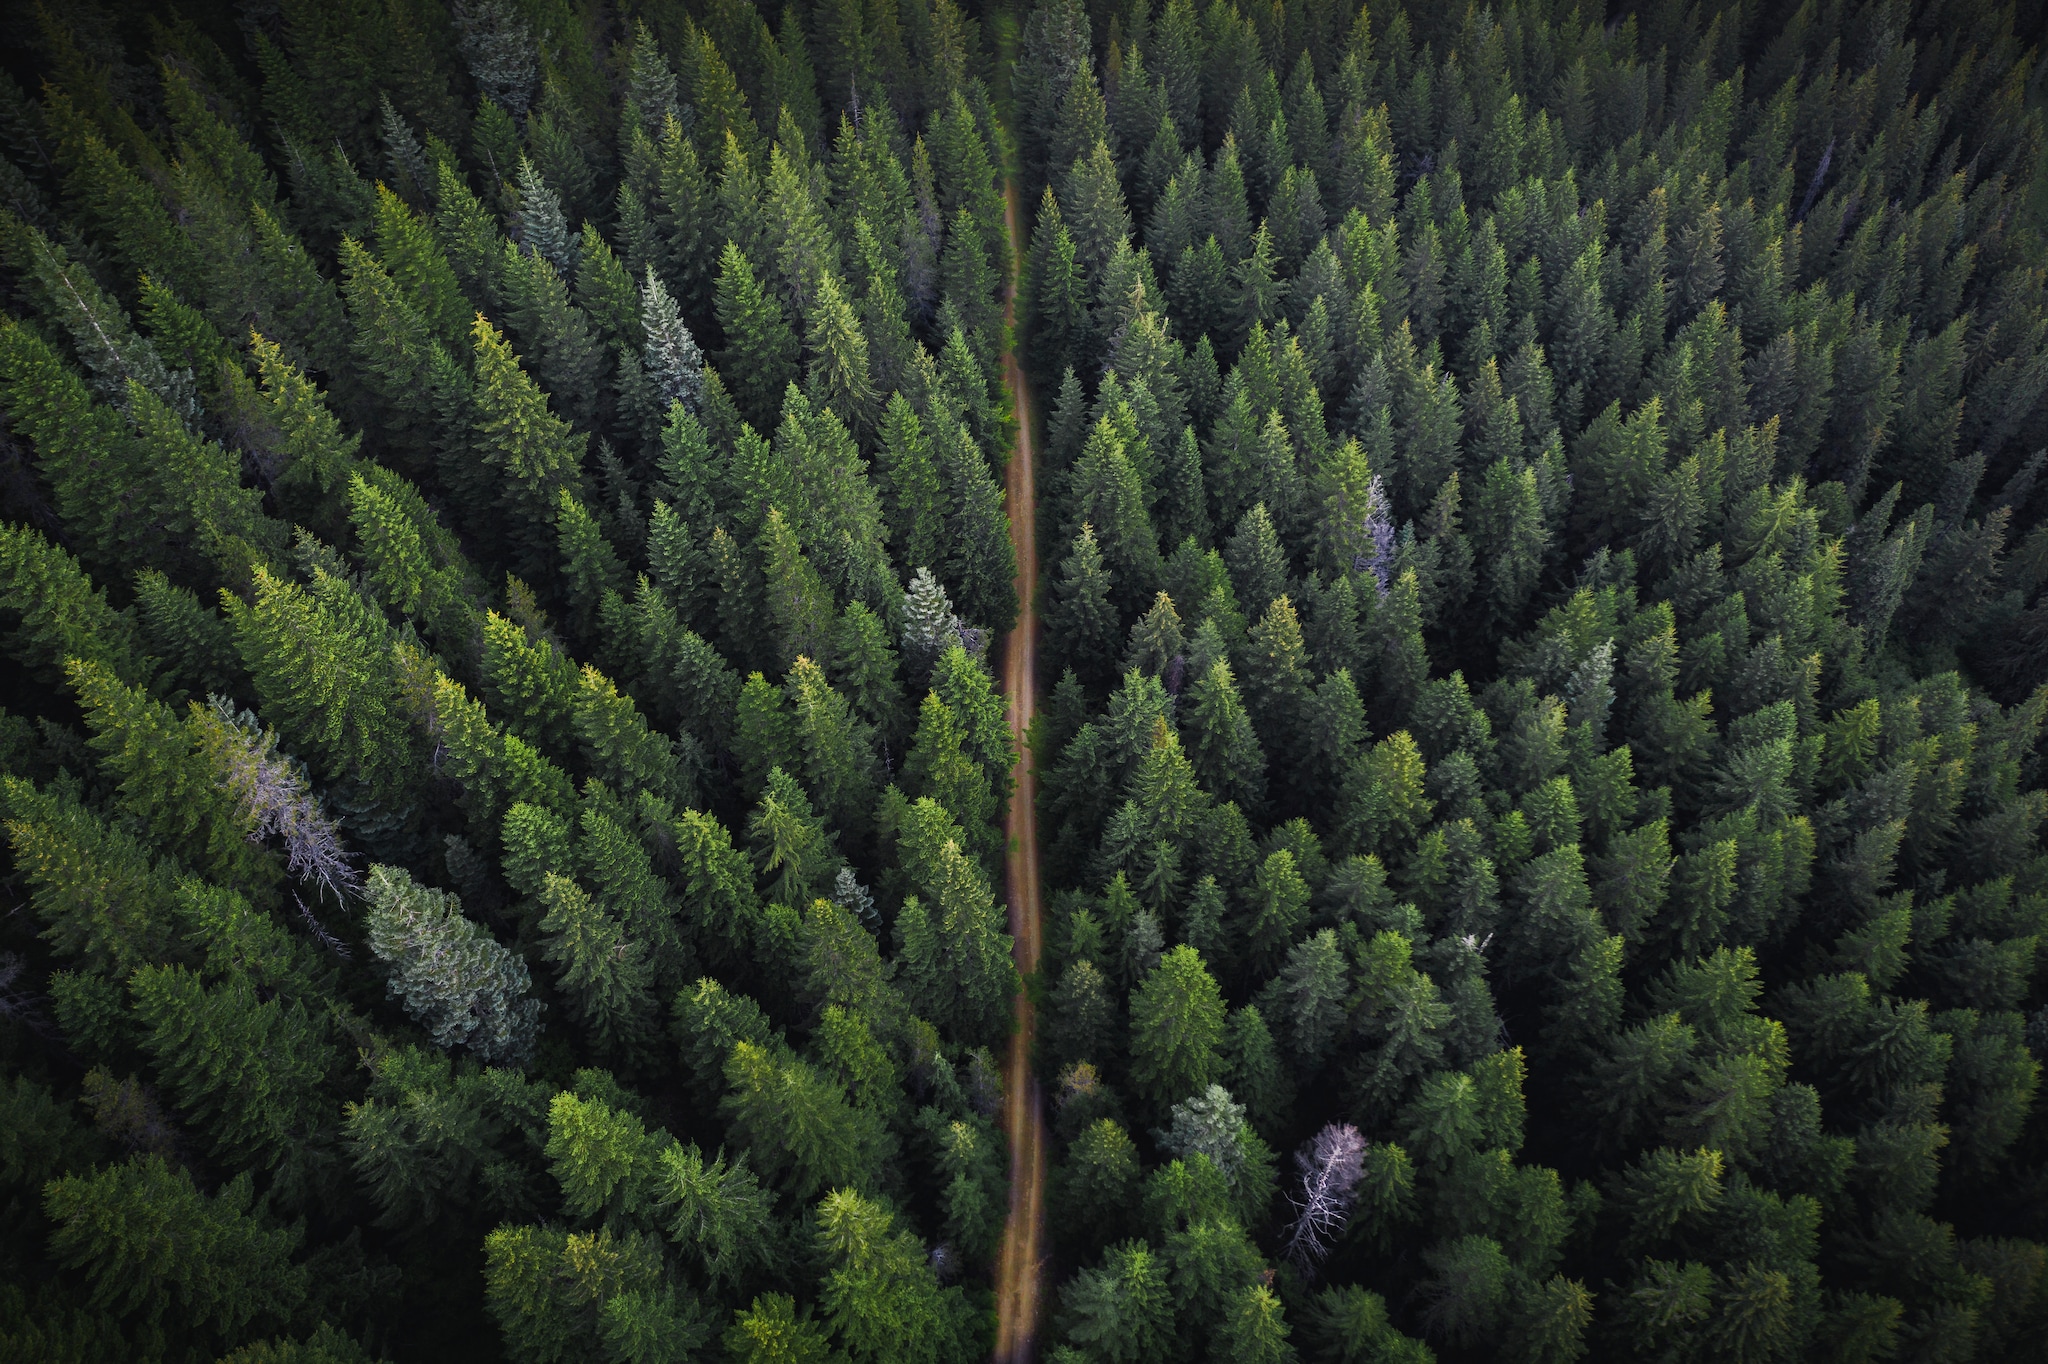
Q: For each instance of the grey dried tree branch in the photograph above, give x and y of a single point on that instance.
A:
(1331, 1166)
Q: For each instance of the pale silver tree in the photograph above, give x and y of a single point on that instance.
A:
(543, 227)
(853, 897)
(651, 81)
(456, 980)
(1589, 694)
(930, 626)
(1210, 1124)
(674, 364)
(409, 163)
(113, 354)
(1331, 1166)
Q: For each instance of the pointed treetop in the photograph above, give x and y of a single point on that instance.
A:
(542, 227)
(675, 366)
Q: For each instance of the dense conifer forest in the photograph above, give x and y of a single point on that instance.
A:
(504, 570)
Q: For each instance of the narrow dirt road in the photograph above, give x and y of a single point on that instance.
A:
(1024, 1106)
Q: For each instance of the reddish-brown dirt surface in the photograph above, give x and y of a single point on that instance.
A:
(1017, 1271)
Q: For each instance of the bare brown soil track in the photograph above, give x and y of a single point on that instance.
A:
(1017, 1269)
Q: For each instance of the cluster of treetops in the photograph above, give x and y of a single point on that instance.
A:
(503, 784)
(1545, 538)
(500, 771)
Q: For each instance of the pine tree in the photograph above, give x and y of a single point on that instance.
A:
(1277, 683)
(1108, 493)
(799, 603)
(540, 225)
(880, 1291)
(566, 354)
(1122, 1309)
(531, 684)
(604, 975)
(100, 334)
(839, 370)
(1508, 538)
(1058, 294)
(147, 1237)
(1223, 742)
(302, 446)
(799, 1122)
(956, 956)
(63, 614)
(983, 564)
(938, 765)
(1401, 657)
(913, 494)
(535, 453)
(619, 747)
(549, 1288)
(423, 397)
(166, 782)
(789, 841)
(410, 254)
(1177, 1020)
(1092, 201)
(761, 349)
(1082, 624)
(929, 625)
(251, 1068)
(837, 751)
(321, 664)
(590, 568)
(772, 1332)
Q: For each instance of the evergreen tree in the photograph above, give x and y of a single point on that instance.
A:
(450, 973)
(148, 1237)
(252, 1066)
(879, 1292)
(1666, 386)
(536, 455)
(566, 354)
(956, 957)
(760, 350)
(674, 365)
(321, 664)
(983, 563)
(1176, 1028)
(836, 751)
(407, 248)
(1092, 200)
(938, 765)
(799, 1122)
(839, 369)
(604, 975)
(1122, 1309)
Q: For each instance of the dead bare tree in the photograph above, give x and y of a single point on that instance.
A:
(1331, 1166)
(278, 799)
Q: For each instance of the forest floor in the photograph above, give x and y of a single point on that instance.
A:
(1017, 1271)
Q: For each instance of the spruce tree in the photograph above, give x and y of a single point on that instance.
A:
(760, 350)
(144, 1233)
(556, 336)
(1176, 1029)
(983, 563)
(535, 453)
(603, 974)
(449, 973)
